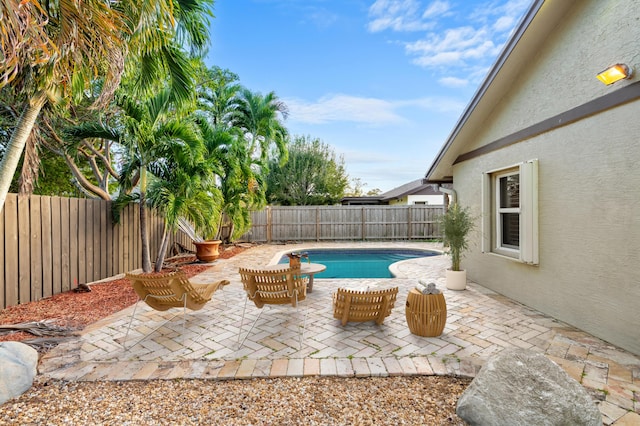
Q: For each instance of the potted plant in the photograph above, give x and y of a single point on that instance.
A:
(207, 250)
(206, 247)
(456, 224)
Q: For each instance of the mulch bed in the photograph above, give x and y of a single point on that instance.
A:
(75, 310)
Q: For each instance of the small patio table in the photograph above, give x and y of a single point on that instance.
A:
(305, 269)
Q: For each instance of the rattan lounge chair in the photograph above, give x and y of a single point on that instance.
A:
(171, 290)
(280, 287)
(360, 306)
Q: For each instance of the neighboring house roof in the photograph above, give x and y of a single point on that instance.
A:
(531, 33)
(362, 201)
(416, 187)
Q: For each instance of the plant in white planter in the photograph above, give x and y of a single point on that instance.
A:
(456, 224)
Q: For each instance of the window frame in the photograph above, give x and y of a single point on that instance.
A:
(498, 219)
(527, 252)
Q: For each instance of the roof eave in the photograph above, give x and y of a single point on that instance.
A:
(438, 172)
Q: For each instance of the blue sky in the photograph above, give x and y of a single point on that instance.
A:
(383, 82)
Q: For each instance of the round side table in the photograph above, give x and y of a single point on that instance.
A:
(426, 313)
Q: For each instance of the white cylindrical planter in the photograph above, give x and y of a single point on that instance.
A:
(456, 280)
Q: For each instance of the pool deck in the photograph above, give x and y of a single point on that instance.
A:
(479, 324)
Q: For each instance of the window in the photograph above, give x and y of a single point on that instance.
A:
(510, 212)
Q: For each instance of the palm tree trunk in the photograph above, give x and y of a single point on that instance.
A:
(163, 249)
(146, 259)
(16, 145)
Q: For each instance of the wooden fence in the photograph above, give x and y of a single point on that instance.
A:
(50, 244)
(318, 223)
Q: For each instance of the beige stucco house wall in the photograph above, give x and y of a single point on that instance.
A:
(542, 101)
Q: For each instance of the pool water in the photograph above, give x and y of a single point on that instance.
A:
(360, 263)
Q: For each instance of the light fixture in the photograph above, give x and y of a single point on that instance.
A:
(614, 73)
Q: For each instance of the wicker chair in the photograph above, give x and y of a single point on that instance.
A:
(360, 306)
(170, 290)
(280, 287)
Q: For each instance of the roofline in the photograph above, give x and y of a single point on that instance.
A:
(364, 197)
(407, 193)
(493, 72)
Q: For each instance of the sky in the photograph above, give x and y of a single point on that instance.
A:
(382, 82)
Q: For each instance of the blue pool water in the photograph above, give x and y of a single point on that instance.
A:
(360, 263)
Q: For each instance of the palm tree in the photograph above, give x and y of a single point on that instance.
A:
(58, 52)
(217, 94)
(240, 187)
(61, 49)
(184, 186)
(148, 131)
(259, 118)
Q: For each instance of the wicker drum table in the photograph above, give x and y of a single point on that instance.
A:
(426, 313)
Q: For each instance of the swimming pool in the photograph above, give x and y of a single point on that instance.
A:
(360, 263)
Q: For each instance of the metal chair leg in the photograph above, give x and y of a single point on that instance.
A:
(303, 312)
(124, 343)
(252, 325)
(155, 329)
(184, 320)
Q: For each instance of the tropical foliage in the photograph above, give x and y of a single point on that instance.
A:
(58, 52)
(118, 92)
(313, 175)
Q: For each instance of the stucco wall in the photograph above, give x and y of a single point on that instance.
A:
(561, 74)
(589, 181)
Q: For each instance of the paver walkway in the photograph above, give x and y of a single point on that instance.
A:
(479, 323)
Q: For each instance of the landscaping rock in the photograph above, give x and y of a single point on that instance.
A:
(518, 386)
(18, 367)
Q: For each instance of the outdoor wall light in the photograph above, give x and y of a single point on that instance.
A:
(614, 73)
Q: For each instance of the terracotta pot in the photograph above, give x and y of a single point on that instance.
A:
(207, 251)
(456, 280)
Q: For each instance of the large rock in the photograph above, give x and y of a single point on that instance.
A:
(520, 387)
(18, 367)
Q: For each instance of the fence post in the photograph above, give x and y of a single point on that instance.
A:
(409, 230)
(363, 223)
(318, 223)
(269, 224)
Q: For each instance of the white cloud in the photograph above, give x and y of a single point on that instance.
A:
(454, 47)
(346, 108)
(470, 46)
(437, 104)
(436, 9)
(398, 15)
(343, 108)
(453, 82)
(504, 23)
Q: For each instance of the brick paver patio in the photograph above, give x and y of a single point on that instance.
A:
(479, 323)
